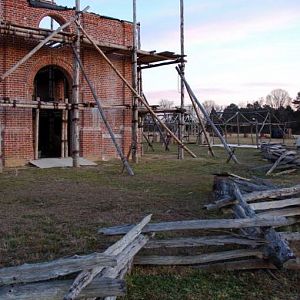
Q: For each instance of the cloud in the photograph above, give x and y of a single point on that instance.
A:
(227, 29)
(203, 93)
(231, 30)
(266, 84)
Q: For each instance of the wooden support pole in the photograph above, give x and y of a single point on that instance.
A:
(206, 115)
(40, 45)
(36, 133)
(211, 151)
(182, 69)
(1, 157)
(238, 128)
(270, 125)
(64, 140)
(135, 112)
(142, 100)
(101, 111)
(256, 133)
(163, 138)
(75, 147)
(251, 133)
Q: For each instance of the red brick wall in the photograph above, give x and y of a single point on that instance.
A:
(102, 28)
(94, 141)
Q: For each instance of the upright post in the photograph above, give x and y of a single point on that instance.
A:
(226, 133)
(141, 99)
(270, 125)
(256, 133)
(139, 70)
(36, 133)
(64, 142)
(182, 69)
(203, 128)
(251, 132)
(1, 158)
(206, 115)
(135, 112)
(238, 128)
(75, 100)
(101, 111)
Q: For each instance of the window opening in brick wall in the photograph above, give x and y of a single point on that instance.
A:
(50, 23)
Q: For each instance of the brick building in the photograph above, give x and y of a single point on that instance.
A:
(35, 100)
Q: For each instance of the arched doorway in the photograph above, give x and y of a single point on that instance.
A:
(51, 84)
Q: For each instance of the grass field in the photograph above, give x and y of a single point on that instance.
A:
(47, 214)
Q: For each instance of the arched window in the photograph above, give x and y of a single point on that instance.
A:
(49, 23)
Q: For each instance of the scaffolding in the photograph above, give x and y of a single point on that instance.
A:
(177, 125)
(256, 125)
(59, 38)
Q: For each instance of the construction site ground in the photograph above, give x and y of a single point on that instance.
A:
(52, 213)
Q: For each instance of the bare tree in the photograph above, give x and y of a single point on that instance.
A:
(296, 102)
(261, 101)
(164, 103)
(210, 104)
(278, 98)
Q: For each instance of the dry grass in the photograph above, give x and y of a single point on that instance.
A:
(53, 213)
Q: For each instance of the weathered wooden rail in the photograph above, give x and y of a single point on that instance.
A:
(280, 156)
(252, 230)
(248, 241)
(99, 275)
(277, 248)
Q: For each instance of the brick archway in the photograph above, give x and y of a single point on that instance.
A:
(64, 65)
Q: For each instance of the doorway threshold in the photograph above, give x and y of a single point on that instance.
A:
(48, 163)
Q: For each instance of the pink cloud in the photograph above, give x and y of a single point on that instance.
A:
(228, 30)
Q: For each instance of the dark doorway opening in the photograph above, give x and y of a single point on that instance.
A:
(52, 134)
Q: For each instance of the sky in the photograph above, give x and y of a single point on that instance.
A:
(237, 50)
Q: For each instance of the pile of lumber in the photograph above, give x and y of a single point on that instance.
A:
(281, 158)
(98, 275)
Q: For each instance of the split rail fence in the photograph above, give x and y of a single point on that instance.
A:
(256, 238)
(288, 161)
